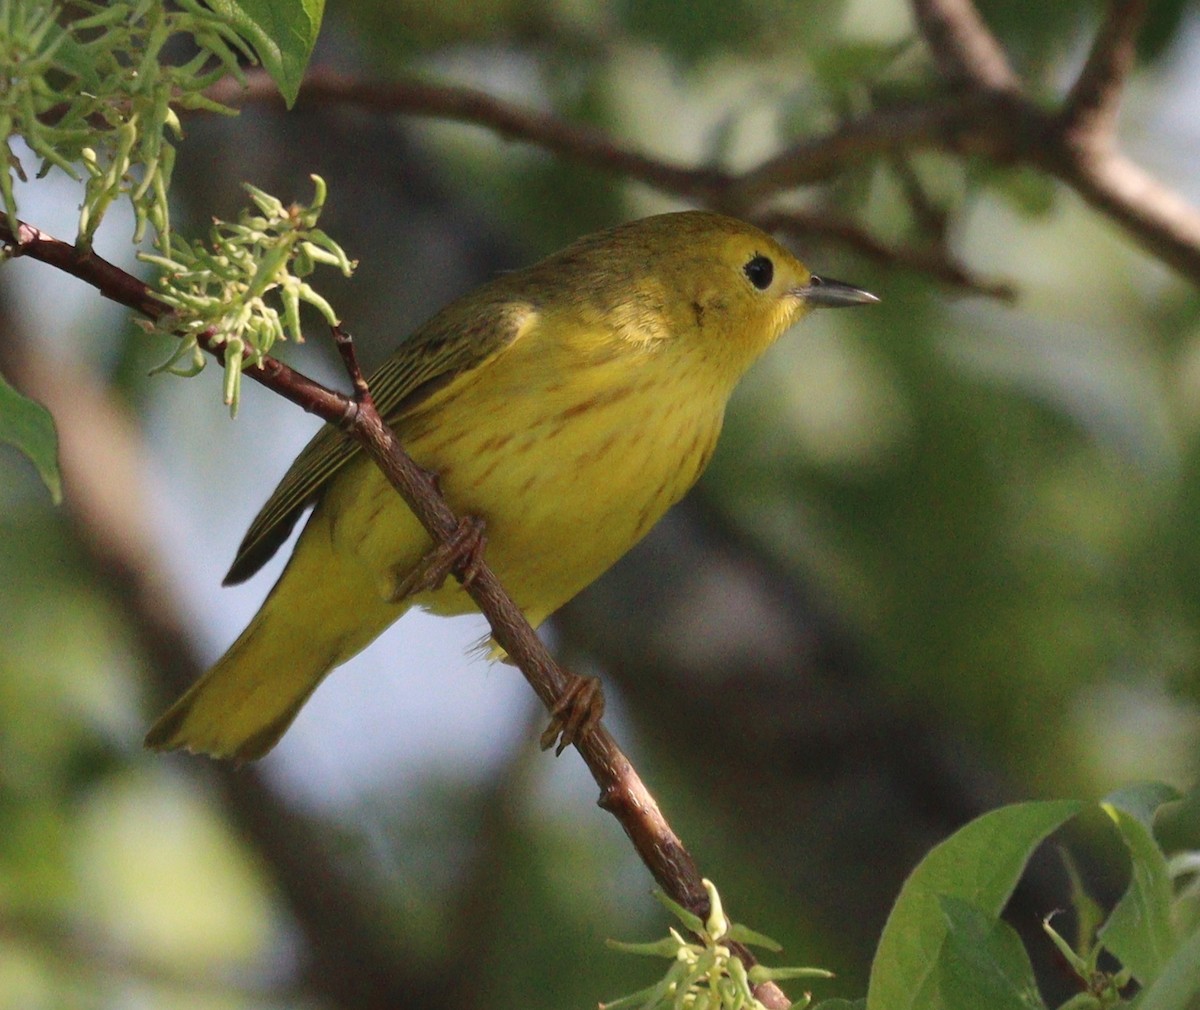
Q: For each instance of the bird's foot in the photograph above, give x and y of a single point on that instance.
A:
(575, 714)
(461, 555)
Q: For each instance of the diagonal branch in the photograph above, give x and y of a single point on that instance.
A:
(622, 791)
(966, 52)
(1090, 109)
(323, 86)
(934, 261)
(1161, 220)
(883, 131)
(123, 288)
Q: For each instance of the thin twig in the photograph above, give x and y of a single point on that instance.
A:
(811, 160)
(1091, 104)
(929, 217)
(934, 261)
(1161, 220)
(467, 105)
(125, 289)
(966, 52)
(622, 792)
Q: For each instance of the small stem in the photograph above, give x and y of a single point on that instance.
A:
(935, 261)
(1090, 110)
(966, 52)
(468, 105)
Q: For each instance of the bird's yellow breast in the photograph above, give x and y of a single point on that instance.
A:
(570, 445)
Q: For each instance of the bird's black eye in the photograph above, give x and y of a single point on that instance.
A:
(759, 271)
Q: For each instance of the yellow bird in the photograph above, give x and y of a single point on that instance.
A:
(567, 405)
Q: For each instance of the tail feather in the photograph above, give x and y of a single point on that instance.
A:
(245, 703)
(318, 615)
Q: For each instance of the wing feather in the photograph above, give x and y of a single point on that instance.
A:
(450, 344)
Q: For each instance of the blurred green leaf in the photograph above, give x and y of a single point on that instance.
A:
(1139, 933)
(979, 864)
(851, 64)
(985, 963)
(1032, 194)
(26, 424)
(1142, 799)
(1161, 29)
(282, 32)
(1178, 984)
(1033, 42)
(1089, 915)
(692, 33)
(1177, 826)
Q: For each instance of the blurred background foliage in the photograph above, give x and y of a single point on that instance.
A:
(945, 556)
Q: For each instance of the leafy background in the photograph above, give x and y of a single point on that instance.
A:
(943, 559)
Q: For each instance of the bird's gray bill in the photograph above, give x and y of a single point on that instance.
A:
(824, 293)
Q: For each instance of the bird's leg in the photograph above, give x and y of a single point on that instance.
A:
(461, 554)
(575, 714)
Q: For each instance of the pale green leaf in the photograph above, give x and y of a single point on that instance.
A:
(1177, 986)
(985, 964)
(28, 425)
(980, 864)
(1138, 932)
(282, 32)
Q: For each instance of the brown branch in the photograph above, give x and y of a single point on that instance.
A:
(323, 86)
(813, 161)
(1161, 220)
(929, 217)
(884, 131)
(1077, 145)
(934, 261)
(123, 288)
(622, 792)
(966, 52)
(990, 118)
(1091, 105)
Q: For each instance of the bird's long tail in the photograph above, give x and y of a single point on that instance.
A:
(317, 616)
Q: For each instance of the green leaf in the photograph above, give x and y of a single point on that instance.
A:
(1031, 194)
(710, 27)
(1163, 21)
(1139, 933)
(28, 425)
(1143, 799)
(282, 32)
(985, 964)
(979, 864)
(1178, 984)
(849, 64)
(1177, 825)
(841, 1004)
(1089, 915)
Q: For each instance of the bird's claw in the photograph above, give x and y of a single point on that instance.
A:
(461, 554)
(575, 714)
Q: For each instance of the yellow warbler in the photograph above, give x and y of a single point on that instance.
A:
(567, 405)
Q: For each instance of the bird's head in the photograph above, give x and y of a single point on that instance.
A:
(738, 287)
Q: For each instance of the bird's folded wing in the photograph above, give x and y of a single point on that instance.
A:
(449, 345)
